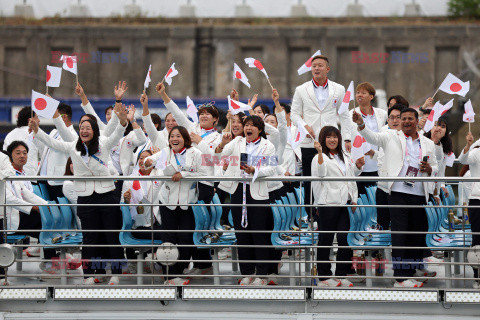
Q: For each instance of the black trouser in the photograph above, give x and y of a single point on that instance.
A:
(307, 156)
(54, 192)
(406, 218)
(224, 198)
(362, 185)
(205, 194)
(173, 220)
(474, 217)
(333, 219)
(100, 218)
(130, 252)
(383, 214)
(259, 218)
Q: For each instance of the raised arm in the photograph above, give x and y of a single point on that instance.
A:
(39, 134)
(121, 112)
(155, 136)
(139, 137)
(62, 129)
(87, 107)
(172, 107)
(467, 157)
(380, 139)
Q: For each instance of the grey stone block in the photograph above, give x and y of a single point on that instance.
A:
(412, 10)
(299, 10)
(24, 10)
(355, 10)
(187, 11)
(243, 11)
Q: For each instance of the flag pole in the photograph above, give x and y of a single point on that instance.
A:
(46, 92)
(270, 83)
(469, 127)
(435, 93)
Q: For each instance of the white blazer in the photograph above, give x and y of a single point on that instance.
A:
(289, 161)
(105, 129)
(305, 110)
(20, 133)
(182, 192)
(5, 163)
(380, 115)
(259, 189)
(208, 144)
(126, 145)
(334, 192)
(151, 189)
(17, 193)
(472, 158)
(157, 138)
(93, 167)
(394, 144)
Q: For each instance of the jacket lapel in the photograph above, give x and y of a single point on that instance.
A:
(331, 93)
(173, 160)
(311, 94)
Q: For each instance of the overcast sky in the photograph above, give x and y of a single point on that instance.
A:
(226, 8)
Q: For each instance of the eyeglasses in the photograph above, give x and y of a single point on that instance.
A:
(394, 117)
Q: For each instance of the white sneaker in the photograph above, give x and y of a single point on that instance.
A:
(245, 281)
(114, 281)
(424, 273)
(89, 281)
(100, 279)
(198, 273)
(432, 261)
(329, 283)
(356, 280)
(476, 284)
(272, 280)
(410, 283)
(131, 268)
(259, 282)
(345, 283)
(225, 253)
(32, 251)
(177, 282)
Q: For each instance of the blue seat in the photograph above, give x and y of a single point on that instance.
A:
(36, 190)
(126, 236)
(280, 239)
(68, 219)
(203, 222)
(44, 191)
(51, 219)
(452, 239)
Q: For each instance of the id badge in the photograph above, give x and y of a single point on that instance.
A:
(411, 172)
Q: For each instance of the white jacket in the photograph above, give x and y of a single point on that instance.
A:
(93, 167)
(334, 192)
(105, 129)
(157, 138)
(126, 146)
(394, 144)
(289, 161)
(182, 192)
(380, 115)
(472, 158)
(20, 133)
(305, 110)
(259, 189)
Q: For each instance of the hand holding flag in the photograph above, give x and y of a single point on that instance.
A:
(299, 136)
(469, 115)
(192, 111)
(69, 63)
(437, 111)
(43, 105)
(360, 147)
(237, 106)
(346, 99)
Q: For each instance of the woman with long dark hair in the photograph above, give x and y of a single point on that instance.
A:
(90, 154)
(331, 161)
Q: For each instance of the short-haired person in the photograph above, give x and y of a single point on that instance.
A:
(407, 154)
(261, 110)
(20, 133)
(332, 161)
(257, 148)
(374, 119)
(315, 104)
(393, 100)
(182, 160)
(90, 154)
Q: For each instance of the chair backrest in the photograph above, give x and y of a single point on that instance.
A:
(44, 190)
(127, 221)
(283, 215)
(289, 211)
(58, 221)
(66, 212)
(37, 191)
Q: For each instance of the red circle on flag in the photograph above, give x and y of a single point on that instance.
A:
(49, 75)
(430, 116)
(69, 62)
(346, 98)
(168, 73)
(309, 63)
(455, 87)
(357, 143)
(136, 185)
(238, 75)
(258, 64)
(40, 104)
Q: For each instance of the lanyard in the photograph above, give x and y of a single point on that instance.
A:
(94, 156)
(207, 133)
(419, 151)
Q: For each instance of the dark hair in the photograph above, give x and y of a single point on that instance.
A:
(186, 136)
(273, 115)
(464, 170)
(399, 99)
(89, 116)
(156, 120)
(240, 116)
(68, 172)
(166, 116)
(93, 145)
(322, 138)
(128, 129)
(320, 57)
(446, 140)
(286, 107)
(14, 145)
(397, 106)
(256, 122)
(265, 108)
(64, 108)
(23, 115)
(209, 108)
(108, 108)
(146, 150)
(410, 110)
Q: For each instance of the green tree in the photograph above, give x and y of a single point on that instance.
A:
(464, 8)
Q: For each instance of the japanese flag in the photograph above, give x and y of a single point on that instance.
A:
(137, 192)
(437, 111)
(254, 63)
(469, 115)
(44, 106)
(307, 66)
(238, 74)
(148, 78)
(450, 159)
(453, 85)
(172, 72)
(54, 75)
(346, 99)
(237, 106)
(192, 110)
(359, 147)
(69, 63)
(257, 168)
(299, 136)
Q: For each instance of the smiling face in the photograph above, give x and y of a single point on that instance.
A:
(251, 132)
(206, 119)
(332, 142)
(363, 97)
(320, 70)
(86, 132)
(108, 114)
(409, 123)
(170, 122)
(394, 120)
(176, 140)
(259, 112)
(19, 157)
(237, 126)
(271, 120)
(440, 128)
(141, 160)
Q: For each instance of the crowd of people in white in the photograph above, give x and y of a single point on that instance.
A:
(183, 149)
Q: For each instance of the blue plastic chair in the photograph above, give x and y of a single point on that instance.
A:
(126, 237)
